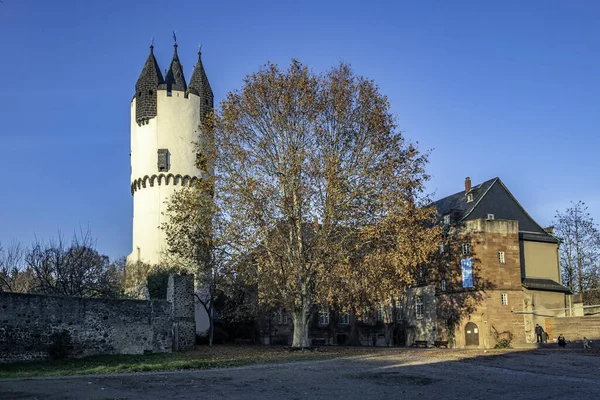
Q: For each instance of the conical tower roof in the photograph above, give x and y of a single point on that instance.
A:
(150, 77)
(145, 89)
(174, 78)
(200, 86)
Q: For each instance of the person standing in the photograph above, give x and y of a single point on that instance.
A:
(538, 333)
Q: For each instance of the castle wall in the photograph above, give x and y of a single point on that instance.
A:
(96, 326)
(573, 328)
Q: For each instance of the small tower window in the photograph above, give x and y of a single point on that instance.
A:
(139, 94)
(501, 257)
(150, 92)
(163, 160)
(443, 285)
(504, 299)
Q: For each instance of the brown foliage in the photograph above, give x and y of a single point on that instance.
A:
(315, 181)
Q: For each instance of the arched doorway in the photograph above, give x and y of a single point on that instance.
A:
(471, 334)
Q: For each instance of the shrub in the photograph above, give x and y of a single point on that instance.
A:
(60, 345)
(503, 339)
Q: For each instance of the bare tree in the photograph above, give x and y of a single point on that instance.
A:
(74, 269)
(580, 247)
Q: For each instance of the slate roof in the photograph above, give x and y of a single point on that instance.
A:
(199, 82)
(492, 197)
(150, 75)
(174, 78)
(200, 86)
(544, 284)
(457, 203)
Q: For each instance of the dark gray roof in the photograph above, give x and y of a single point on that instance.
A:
(150, 75)
(492, 197)
(200, 86)
(174, 78)
(457, 204)
(545, 284)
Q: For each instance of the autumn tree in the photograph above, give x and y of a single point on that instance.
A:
(580, 247)
(191, 221)
(316, 183)
(14, 277)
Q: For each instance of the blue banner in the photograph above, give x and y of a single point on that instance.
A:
(467, 272)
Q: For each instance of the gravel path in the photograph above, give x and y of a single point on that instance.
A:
(409, 374)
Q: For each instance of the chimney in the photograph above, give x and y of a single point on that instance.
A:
(467, 184)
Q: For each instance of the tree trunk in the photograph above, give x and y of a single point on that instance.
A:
(301, 318)
(354, 339)
(211, 326)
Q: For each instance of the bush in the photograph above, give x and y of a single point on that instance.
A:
(503, 339)
(60, 345)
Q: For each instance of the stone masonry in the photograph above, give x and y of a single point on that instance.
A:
(97, 326)
(180, 294)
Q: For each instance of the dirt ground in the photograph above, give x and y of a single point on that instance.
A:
(389, 374)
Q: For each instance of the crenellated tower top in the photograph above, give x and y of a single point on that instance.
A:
(151, 81)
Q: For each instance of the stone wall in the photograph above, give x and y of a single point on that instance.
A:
(574, 328)
(96, 326)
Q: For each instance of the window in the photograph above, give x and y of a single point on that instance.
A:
(398, 309)
(443, 285)
(469, 197)
(466, 249)
(490, 216)
(163, 160)
(441, 247)
(504, 299)
(344, 318)
(419, 307)
(324, 316)
(447, 219)
(380, 313)
(282, 317)
(501, 257)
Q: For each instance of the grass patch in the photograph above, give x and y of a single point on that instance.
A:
(201, 358)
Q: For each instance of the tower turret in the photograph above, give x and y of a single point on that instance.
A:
(145, 89)
(200, 86)
(174, 78)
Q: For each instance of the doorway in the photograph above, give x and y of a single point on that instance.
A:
(471, 334)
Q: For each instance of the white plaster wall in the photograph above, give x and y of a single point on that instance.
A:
(176, 128)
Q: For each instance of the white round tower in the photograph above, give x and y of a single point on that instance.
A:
(166, 119)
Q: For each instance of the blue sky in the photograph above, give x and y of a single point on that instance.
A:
(506, 89)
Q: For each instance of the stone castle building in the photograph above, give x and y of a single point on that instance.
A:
(166, 118)
(505, 276)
